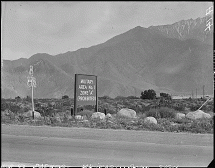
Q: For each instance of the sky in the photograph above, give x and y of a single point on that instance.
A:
(56, 27)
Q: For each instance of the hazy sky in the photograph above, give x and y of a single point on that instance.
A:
(56, 27)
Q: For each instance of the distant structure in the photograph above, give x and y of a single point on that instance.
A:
(209, 13)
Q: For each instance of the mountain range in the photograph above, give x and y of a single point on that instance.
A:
(174, 59)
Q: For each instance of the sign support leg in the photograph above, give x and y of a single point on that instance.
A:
(32, 101)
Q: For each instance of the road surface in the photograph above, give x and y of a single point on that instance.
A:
(64, 146)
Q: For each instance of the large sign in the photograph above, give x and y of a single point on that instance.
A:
(85, 92)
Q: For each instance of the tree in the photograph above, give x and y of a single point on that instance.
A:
(18, 98)
(148, 94)
(166, 96)
(65, 97)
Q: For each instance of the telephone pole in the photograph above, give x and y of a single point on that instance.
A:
(203, 91)
(196, 93)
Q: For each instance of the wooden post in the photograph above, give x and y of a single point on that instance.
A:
(75, 105)
(32, 101)
(204, 103)
(96, 108)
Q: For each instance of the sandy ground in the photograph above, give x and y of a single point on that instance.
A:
(41, 145)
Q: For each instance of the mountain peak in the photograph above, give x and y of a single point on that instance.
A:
(185, 29)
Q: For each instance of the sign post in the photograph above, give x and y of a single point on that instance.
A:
(32, 83)
(85, 91)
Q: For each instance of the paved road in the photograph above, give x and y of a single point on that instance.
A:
(29, 145)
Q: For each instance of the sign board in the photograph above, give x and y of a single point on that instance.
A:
(85, 91)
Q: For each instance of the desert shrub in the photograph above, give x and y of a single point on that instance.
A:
(14, 108)
(179, 107)
(4, 106)
(133, 107)
(141, 116)
(126, 103)
(194, 107)
(132, 97)
(151, 127)
(198, 126)
(97, 123)
(119, 98)
(182, 121)
(88, 113)
(65, 97)
(104, 98)
(166, 96)
(28, 99)
(111, 111)
(166, 125)
(202, 126)
(153, 113)
(166, 112)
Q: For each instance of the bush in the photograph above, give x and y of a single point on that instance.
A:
(4, 106)
(153, 113)
(194, 107)
(179, 107)
(166, 112)
(28, 99)
(65, 97)
(148, 94)
(14, 108)
(132, 97)
(166, 96)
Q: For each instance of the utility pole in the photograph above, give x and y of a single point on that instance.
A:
(203, 91)
(192, 94)
(196, 93)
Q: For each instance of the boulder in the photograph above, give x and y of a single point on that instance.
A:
(197, 115)
(206, 115)
(57, 119)
(125, 112)
(179, 116)
(108, 115)
(79, 117)
(99, 115)
(29, 114)
(150, 120)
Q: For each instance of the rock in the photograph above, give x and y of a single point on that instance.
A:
(29, 114)
(179, 116)
(57, 119)
(99, 115)
(70, 117)
(79, 117)
(150, 120)
(125, 112)
(108, 115)
(197, 115)
(86, 121)
(206, 115)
